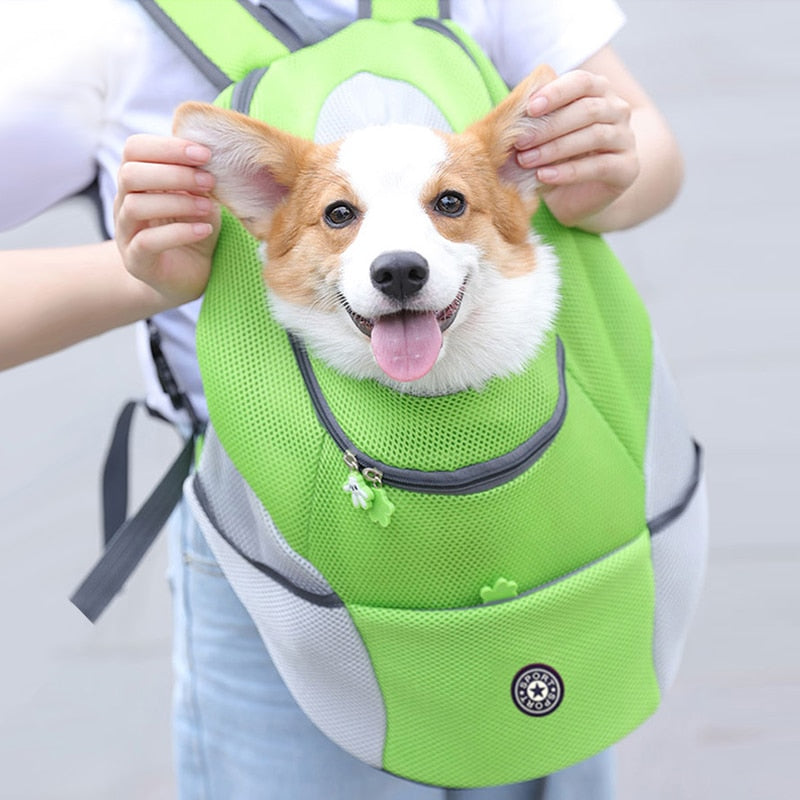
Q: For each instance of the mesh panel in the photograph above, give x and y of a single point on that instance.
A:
(670, 457)
(245, 522)
(256, 396)
(679, 559)
(444, 433)
(447, 675)
(317, 650)
(439, 551)
(367, 99)
(606, 331)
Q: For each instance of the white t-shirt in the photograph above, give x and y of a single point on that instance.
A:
(73, 87)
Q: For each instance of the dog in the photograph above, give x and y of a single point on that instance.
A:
(400, 253)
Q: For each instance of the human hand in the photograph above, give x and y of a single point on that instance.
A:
(583, 149)
(166, 222)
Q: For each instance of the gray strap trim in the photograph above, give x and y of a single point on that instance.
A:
(662, 520)
(439, 27)
(286, 16)
(274, 23)
(282, 18)
(331, 600)
(214, 74)
(244, 90)
(465, 480)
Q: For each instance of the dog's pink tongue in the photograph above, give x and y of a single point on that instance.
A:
(406, 345)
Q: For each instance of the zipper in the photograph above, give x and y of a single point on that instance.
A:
(471, 479)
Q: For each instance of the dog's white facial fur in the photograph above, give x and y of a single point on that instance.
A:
(469, 291)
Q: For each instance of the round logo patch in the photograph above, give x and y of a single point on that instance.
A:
(537, 690)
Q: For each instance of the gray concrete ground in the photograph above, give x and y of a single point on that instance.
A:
(84, 712)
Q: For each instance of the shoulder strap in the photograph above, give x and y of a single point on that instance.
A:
(127, 543)
(392, 11)
(126, 540)
(227, 39)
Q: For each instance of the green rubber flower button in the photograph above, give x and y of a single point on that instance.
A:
(503, 589)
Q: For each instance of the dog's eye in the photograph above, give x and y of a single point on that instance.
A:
(340, 214)
(451, 204)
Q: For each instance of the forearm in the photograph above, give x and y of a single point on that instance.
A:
(53, 298)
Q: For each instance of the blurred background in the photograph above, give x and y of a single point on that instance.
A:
(84, 711)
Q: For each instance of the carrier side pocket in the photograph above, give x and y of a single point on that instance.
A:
(677, 514)
(678, 545)
(308, 632)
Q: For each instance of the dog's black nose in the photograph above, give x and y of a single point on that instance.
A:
(399, 273)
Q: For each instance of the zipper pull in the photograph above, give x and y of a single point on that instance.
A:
(367, 491)
(360, 491)
(382, 507)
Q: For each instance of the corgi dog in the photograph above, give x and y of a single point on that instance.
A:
(400, 253)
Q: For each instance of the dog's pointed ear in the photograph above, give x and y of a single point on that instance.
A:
(254, 164)
(504, 125)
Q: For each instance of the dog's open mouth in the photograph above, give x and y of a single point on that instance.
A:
(406, 344)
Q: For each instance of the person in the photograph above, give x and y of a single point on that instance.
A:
(103, 103)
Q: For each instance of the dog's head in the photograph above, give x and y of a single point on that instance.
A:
(399, 253)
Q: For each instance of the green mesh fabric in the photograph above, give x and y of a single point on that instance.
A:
(605, 329)
(246, 44)
(582, 499)
(444, 433)
(440, 550)
(491, 77)
(293, 90)
(241, 358)
(447, 675)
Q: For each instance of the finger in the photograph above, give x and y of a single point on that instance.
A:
(581, 113)
(597, 137)
(144, 207)
(612, 169)
(164, 150)
(565, 90)
(149, 243)
(138, 176)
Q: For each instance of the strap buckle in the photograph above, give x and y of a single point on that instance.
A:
(166, 378)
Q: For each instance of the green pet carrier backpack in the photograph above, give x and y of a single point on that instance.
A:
(505, 589)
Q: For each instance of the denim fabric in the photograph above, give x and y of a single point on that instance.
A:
(239, 735)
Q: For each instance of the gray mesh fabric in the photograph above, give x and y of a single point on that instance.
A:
(317, 650)
(679, 559)
(670, 455)
(245, 521)
(678, 549)
(367, 99)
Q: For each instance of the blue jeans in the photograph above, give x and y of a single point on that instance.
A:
(238, 733)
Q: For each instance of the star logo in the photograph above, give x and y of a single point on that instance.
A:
(537, 690)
